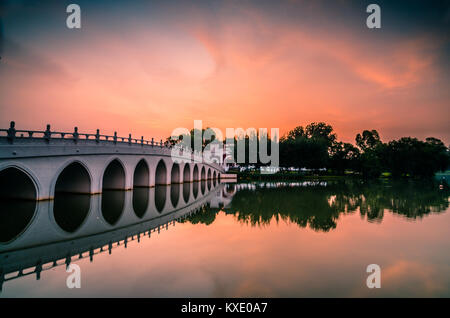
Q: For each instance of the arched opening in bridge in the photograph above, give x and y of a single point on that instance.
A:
(195, 173)
(209, 183)
(175, 173)
(187, 173)
(113, 202)
(15, 217)
(15, 184)
(203, 186)
(214, 178)
(73, 179)
(72, 197)
(140, 201)
(161, 173)
(70, 210)
(195, 189)
(160, 197)
(203, 174)
(114, 176)
(141, 177)
(209, 179)
(18, 203)
(186, 192)
(175, 194)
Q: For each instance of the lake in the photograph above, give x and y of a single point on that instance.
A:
(205, 239)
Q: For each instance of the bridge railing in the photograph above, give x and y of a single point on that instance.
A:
(12, 134)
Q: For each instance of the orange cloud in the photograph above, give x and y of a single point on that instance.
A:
(244, 70)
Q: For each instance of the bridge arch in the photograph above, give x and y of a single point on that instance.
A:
(187, 173)
(209, 181)
(114, 176)
(112, 206)
(73, 178)
(203, 186)
(18, 201)
(72, 200)
(160, 197)
(175, 173)
(161, 173)
(17, 183)
(71, 210)
(141, 176)
(195, 173)
(195, 186)
(186, 191)
(203, 174)
(175, 194)
(141, 199)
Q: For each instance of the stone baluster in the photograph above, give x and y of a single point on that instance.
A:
(11, 132)
(38, 270)
(75, 135)
(47, 134)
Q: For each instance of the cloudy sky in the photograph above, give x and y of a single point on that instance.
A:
(148, 67)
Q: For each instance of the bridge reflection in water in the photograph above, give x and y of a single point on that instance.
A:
(38, 235)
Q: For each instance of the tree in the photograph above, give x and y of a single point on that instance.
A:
(344, 156)
(369, 140)
(321, 131)
(307, 147)
(304, 152)
(191, 136)
(412, 157)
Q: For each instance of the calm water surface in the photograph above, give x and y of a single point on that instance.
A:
(305, 239)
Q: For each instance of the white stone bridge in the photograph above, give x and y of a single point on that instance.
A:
(37, 164)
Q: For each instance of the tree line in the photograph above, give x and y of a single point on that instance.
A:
(316, 146)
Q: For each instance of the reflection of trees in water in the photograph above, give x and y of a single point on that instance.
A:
(320, 207)
(317, 207)
(205, 215)
(410, 199)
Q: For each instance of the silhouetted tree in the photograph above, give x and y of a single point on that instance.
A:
(344, 156)
(368, 140)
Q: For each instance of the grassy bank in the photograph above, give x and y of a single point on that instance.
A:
(292, 175)
(285, 176)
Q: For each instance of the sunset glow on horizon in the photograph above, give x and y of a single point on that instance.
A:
(149, 67)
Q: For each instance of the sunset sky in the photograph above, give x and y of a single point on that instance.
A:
(148, 67)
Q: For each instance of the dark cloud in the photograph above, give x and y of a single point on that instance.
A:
(2, 39)
(23, 60)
